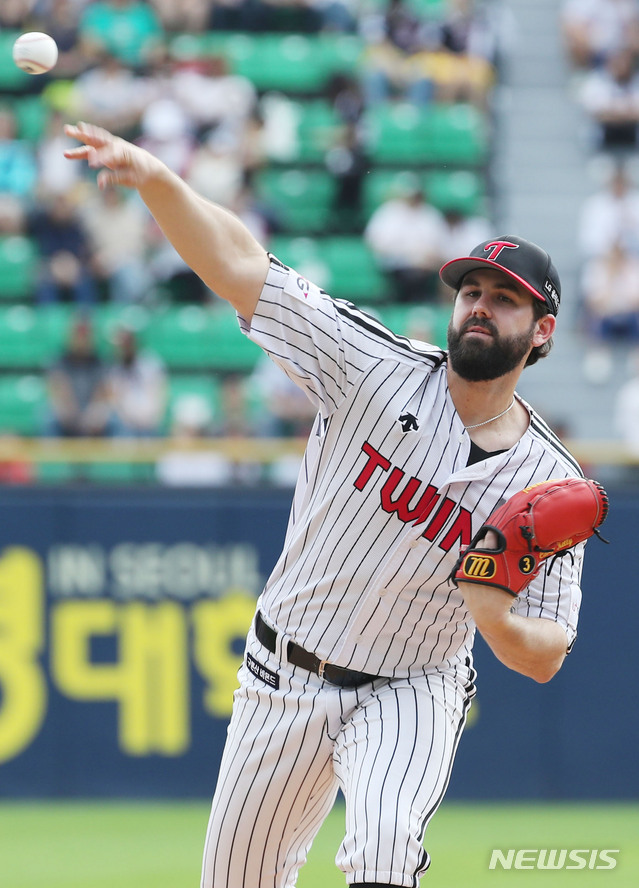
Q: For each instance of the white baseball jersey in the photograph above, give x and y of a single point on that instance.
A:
(384, 501)
(385, 497)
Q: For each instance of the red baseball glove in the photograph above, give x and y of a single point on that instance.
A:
(544, 520)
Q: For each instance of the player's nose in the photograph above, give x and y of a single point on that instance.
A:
(481, 307)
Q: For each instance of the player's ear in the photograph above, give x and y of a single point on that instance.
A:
(545, 327)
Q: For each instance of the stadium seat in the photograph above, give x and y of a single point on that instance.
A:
(291, 63)
(12, 79)
(302, 199)
(464, 190)
(32, 115)
(108, 318)
(22, 401)
(404, 134)
(28, 337)
(18, 267)
(341, 265)
(317, 127)
(193, 337)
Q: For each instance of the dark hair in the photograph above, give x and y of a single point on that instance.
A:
(539, 351)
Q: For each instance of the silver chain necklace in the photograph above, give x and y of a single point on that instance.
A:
(492, 419)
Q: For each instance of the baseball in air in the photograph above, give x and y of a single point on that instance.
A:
(35, 52)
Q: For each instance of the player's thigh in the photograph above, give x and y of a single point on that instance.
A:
(275, 786)
(394, 759)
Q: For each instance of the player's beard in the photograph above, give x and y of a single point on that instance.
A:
(479, 360)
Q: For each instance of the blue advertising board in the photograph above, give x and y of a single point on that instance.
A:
(122, 619)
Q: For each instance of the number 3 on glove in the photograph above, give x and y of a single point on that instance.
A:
(544, 520)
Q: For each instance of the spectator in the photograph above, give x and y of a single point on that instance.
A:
(168, 132)
(464, 68)
(406, 235)
(626, 408)
(178, 16)
(610, 287)
(138, 388)
(186, 464)
(60, 19)
(111, 95)
(610, 215)
(348, 163)
(463, 231)
(395, 39)
(77, 387)
(130, 30)
(54, 175)
(18, 166)
(216, 168)
(117, 227)
(610, 98)
(64, 252)
(594, 30)
(15, 14)
(211, 95)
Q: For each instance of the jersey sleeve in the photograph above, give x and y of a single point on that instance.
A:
(555, 594)
(312, 336)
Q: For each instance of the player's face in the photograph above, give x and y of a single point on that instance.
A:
(492, 328)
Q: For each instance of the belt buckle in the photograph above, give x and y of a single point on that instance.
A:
(322, 666)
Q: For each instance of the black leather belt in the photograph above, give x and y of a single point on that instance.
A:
(337, 675)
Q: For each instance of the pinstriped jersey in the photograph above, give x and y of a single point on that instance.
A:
(385, 497)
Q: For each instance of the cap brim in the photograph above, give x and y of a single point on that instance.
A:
(453, 272)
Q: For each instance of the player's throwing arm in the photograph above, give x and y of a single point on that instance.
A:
(211, 240)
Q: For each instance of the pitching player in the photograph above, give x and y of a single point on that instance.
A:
(358, 671)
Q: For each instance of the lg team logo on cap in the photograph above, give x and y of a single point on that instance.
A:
(496, 248)
(551, 293)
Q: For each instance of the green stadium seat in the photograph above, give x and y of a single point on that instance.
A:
(12, 79)
(342, 265)
(427, 323)
(32, 115)
(108, 318)
(193, 337)
(404, 134)
(18, 266)
(28, 337)
(460, 134)
(302, 199)
(22, 402)
(464, 190)
(291, 63)
(316, 131)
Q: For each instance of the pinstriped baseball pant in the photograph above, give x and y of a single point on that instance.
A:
(389, 746)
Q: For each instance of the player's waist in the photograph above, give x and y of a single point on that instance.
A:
(298, 656)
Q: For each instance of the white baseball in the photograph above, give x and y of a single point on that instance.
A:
(35, 52)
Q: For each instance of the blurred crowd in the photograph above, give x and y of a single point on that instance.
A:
(121, 66)
(602, 46)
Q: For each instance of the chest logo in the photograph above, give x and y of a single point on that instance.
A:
(409, 422)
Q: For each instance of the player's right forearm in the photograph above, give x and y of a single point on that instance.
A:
(211, 240)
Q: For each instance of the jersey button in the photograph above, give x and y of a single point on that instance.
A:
(382, 592)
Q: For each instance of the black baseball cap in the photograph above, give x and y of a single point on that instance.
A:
(524, 261)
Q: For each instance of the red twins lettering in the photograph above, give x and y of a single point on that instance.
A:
(391, 501)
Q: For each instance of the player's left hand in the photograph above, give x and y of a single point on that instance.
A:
(544, 520)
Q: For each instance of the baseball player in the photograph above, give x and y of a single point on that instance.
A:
(358, 670)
